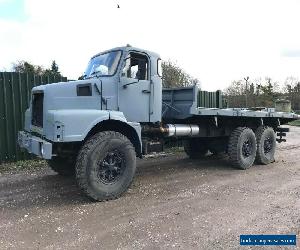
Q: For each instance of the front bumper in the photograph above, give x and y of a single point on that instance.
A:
(35, 145)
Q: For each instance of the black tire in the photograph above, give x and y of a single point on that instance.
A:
(242, 147)
(195, 148)
(266, 145)
(105, 166)
(62, 166)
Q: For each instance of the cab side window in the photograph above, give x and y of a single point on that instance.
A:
(136, 66)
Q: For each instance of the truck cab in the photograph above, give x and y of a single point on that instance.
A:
(129, 76)
(120, 87)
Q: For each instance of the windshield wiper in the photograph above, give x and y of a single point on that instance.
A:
(91, 75)
(95, 72)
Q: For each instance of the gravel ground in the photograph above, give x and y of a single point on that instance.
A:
(174, 202)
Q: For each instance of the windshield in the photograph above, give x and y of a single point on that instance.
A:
(104, 64)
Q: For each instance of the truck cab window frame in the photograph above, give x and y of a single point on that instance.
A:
(136, 66)
(159, 67)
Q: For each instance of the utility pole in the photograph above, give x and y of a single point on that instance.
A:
(246, 94)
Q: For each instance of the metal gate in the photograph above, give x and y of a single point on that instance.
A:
(15, 93)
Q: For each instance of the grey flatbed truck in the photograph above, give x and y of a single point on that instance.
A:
(96, 127)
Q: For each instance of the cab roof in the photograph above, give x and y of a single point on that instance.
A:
(130, 48)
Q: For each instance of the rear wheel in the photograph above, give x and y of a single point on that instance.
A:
(62, 166)
(266, 145)
(242, 147)
(106, 166)
(195, 148)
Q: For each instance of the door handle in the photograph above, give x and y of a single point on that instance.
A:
(125, 85)
(145, 91)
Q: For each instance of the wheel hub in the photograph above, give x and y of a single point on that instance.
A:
(247, 148)
(268, 145)
(111, 167)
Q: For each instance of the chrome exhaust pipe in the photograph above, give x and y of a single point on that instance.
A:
(178, 130)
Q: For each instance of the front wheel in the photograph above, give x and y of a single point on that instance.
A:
(106, 166)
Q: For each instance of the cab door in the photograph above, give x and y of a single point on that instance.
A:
(134, 91)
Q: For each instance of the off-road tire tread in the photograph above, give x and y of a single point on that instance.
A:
(258, 134)
(80, 168)
(233, 149)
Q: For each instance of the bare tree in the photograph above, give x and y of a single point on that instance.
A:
(174, 76)
(252, 93)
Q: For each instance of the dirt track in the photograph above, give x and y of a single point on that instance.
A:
(174, 202)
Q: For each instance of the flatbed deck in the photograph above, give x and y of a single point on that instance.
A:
(183, 103)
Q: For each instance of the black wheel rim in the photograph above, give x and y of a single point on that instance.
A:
(111, 167)
(268, 145)
(247, 148)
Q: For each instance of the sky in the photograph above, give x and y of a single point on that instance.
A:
(216, 41)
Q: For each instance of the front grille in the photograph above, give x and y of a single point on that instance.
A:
(37, 109)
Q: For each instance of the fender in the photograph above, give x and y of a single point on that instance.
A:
(117, 122)
(75, 125)
(72, 124)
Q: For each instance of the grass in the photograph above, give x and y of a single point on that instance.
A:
(22, 165)
(295, 123)
(174, 150)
